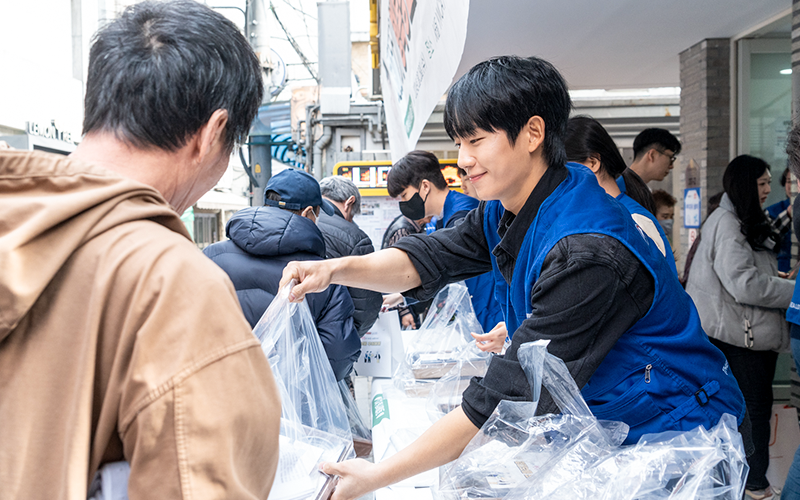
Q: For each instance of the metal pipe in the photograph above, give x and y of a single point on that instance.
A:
(319, 145)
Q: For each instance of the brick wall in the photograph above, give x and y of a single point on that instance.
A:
(705, 122)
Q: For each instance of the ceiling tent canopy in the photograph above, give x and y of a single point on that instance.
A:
(612, 43)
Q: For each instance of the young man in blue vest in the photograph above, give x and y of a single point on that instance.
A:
(569, 266)
(417, 180)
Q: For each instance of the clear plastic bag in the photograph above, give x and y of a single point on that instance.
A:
(431, 353)
(362, 433)
(514, 443)
(697, 464)
(314, 422)
(573, 456)
(445, 395)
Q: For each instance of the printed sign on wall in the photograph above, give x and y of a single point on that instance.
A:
(691, 207)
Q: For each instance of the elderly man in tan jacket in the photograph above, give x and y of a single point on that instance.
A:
(119, 340)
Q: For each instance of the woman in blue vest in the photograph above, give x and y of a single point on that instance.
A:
(741, 299)
(569, 266)
(589, 144)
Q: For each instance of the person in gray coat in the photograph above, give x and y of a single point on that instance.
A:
(741, 298)
(343, 237)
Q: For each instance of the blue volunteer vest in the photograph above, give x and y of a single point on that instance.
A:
(481, 287)
(634, 208)
(663, 373)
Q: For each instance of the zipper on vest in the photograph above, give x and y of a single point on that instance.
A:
(647, 373)
(748, 333)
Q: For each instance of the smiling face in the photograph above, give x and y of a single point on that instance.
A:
(764, 187)
(499, 170)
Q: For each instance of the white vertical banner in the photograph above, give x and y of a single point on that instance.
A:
(421, 46)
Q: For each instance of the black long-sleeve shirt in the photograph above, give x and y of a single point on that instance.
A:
(591, 289)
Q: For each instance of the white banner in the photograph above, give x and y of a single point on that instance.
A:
(421, 46)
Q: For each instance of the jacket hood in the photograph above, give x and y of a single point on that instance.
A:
(50, 205)
(271, 232)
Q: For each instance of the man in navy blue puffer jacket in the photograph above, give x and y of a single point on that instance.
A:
(264, 239)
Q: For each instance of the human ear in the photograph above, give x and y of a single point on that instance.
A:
(211, 134)
(308, 212)
(593, 162)
(534, 132)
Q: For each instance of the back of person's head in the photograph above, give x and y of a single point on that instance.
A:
(502, 94)
(785, 176)
(636, 188)
(793, 150)
(657, 138)
(663, 199)
(159, 71)
(740, 181)
(412, 169)
(587, 138)
(340, 189)
(295, 190)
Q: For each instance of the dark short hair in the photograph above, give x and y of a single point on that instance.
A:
(503, 93)
(663, 198)
(412, 169)
(740, 181)
(793, 150)
(159, 71)
(585, 138)
(658, 138)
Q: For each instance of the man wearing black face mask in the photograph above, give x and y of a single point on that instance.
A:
(418, 181)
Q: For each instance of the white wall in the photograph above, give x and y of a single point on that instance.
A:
(39, 72)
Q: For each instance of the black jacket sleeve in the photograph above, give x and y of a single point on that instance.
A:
(367, 303)
(448, 255)
(590, 291)
(333, 314)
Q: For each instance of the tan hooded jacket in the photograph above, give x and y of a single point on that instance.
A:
(119, 340)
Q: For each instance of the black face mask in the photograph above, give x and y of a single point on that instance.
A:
(414, 208)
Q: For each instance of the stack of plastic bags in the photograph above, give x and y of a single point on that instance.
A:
(517, 455)
(314, 421)
(439, 343)
(445, 394)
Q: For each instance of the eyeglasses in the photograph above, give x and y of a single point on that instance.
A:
(671, 157)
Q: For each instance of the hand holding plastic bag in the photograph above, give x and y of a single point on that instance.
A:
(518, 456)
(514, 443)
(314, 422)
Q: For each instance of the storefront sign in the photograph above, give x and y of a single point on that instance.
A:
(370, 176)
(48, 131)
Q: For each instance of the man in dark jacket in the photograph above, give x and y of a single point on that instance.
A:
(343, 237)
(419, 172)
(264, 239)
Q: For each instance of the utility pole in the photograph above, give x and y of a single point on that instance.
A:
(261, 131)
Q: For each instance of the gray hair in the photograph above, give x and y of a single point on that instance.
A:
(339, 189)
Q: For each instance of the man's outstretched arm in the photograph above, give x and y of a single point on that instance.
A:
(388, 271)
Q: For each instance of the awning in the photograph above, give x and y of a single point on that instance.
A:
(218, 200)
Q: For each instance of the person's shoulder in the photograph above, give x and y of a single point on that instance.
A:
(145, 249)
